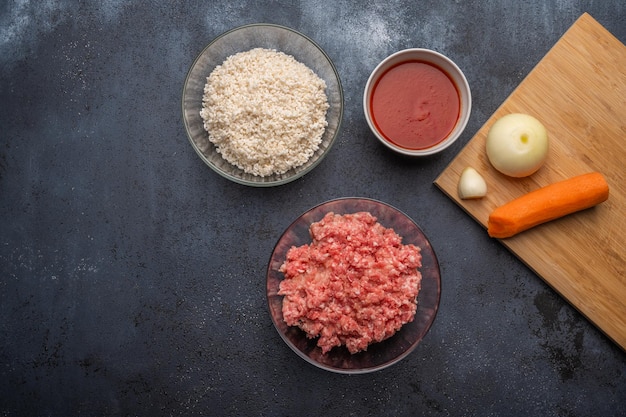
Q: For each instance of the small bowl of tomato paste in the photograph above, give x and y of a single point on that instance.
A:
(417, 102)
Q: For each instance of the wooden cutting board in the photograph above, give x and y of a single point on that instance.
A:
(578, 91)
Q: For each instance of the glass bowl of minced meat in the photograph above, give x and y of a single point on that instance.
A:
(262, 105)
(353, 285)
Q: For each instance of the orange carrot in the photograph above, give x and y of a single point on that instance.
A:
(548, 203)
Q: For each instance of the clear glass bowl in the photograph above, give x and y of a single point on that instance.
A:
(378, 355)
(243, 39)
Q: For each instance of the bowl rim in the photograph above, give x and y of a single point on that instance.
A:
(429, 270)
(463, 89)
(280, 181)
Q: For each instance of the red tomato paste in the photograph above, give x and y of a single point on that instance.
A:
(415, 105)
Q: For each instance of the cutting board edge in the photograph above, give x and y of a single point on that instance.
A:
(599, 326)
(453, 198)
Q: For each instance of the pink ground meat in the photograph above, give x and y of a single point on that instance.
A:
(354, 285)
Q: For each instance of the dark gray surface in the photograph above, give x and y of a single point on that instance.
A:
(132, 277)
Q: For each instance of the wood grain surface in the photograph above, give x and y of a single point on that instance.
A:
(578, 91)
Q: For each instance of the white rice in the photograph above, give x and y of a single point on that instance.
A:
(264, 111)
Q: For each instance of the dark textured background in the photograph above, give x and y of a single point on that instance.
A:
(132, 277)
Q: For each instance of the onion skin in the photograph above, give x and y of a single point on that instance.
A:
(517, 145)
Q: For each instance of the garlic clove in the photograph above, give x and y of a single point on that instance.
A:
(471, 184)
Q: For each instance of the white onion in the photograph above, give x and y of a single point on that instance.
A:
(517, 145)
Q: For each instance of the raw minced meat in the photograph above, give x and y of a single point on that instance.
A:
(354, 285)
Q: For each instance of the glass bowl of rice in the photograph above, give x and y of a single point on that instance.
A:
(262, 105)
